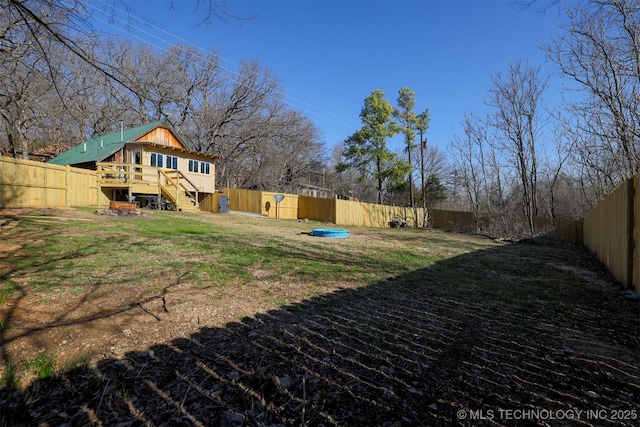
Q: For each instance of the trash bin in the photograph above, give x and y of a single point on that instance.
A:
(223, 205)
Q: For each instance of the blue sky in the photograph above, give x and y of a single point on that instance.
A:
(331, 54)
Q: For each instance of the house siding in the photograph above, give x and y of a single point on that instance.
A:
(161, 136)
(204, 183)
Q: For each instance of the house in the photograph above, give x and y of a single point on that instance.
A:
(148, 164)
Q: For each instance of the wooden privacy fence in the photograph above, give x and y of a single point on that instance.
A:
(567, 230)
(317, 209)
(335, 211)
(257, 202)
(25, 183)
(360, 214)
(452, 219)
(612, 232)
(355, 214)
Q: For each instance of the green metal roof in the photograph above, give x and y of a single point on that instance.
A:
(101, 147)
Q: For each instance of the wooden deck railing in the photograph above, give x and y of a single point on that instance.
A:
(126, 173)
(168, 181)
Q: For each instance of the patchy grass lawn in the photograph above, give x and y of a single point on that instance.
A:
(206, 319)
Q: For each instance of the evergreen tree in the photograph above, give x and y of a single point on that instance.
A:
(366, 149)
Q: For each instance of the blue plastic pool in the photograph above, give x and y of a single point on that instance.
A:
(329, 232)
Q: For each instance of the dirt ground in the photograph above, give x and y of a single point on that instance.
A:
(395, 353)
(73, 326)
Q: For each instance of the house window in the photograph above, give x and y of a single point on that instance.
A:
(204, 168)
(157, 160)
(200, 167)
(172, 162)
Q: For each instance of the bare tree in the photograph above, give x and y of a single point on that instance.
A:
(234, 120)
(36, 34)
(94, 104)
(600, 52)
(574, 177)
(23, 78)
(467, 172)
(63, 22)
(517, 117)
(291, 156)
(240, 116)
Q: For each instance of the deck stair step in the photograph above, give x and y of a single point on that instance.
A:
(183, 202)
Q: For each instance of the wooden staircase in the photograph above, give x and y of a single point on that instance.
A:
(182, 201)
(173, 189)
